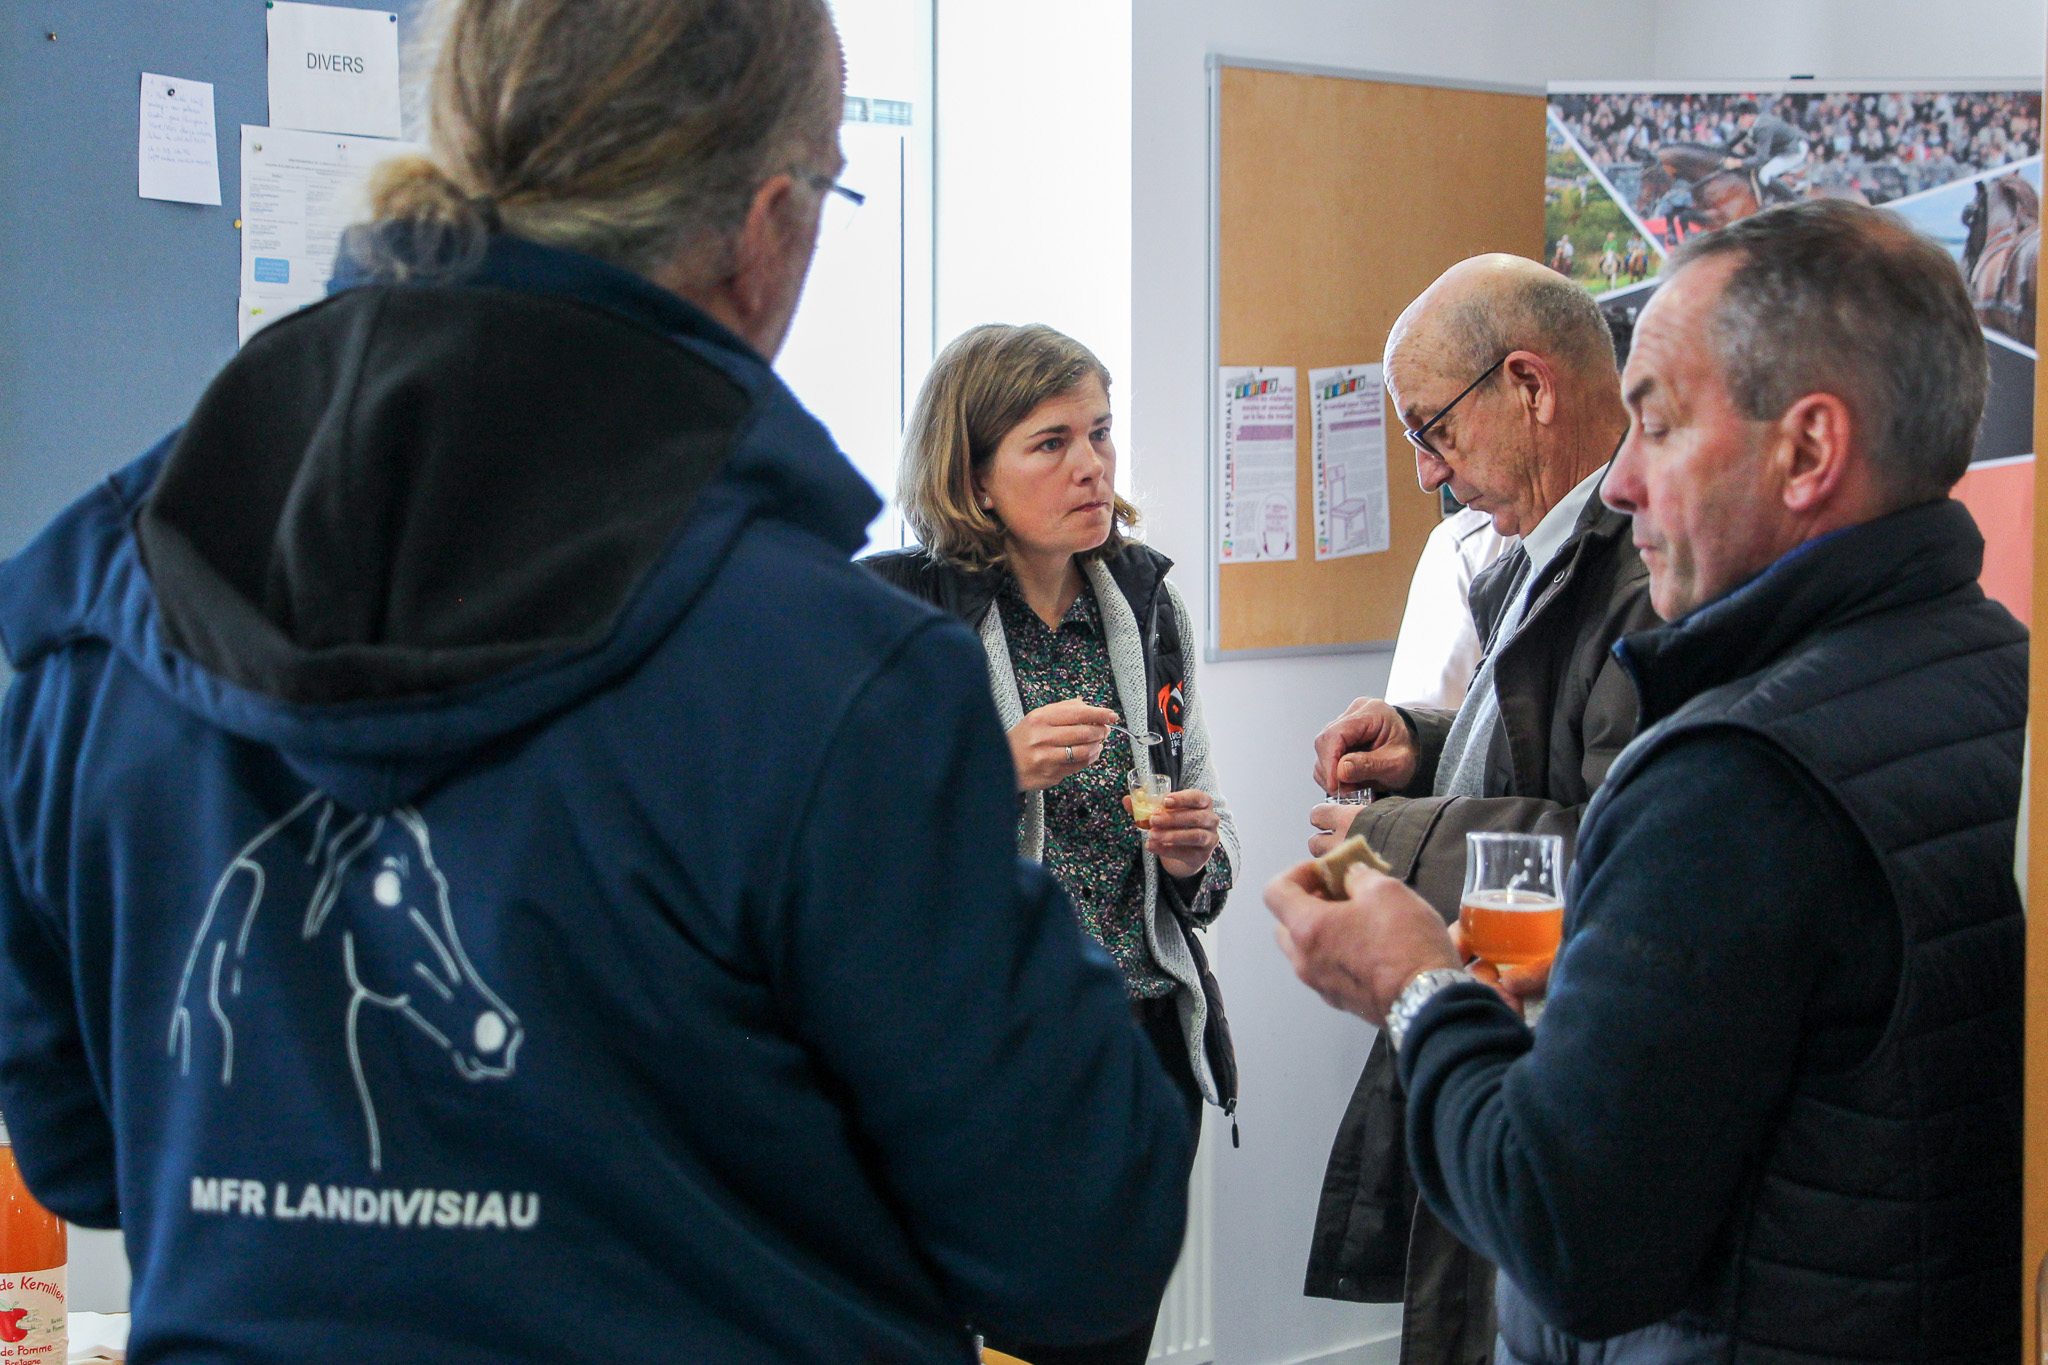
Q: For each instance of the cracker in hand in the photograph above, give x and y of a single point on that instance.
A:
(1334, 865)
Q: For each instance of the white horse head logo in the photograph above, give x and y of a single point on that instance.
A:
(366, 889)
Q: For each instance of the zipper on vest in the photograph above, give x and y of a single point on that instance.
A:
(1230, 1112)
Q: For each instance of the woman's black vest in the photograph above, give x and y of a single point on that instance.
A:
(1882, 1223)
(1138, 570)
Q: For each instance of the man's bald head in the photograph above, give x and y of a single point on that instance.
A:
(1549, 412)
(1484, 307)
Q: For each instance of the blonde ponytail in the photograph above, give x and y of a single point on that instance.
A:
(631, 130)
(418, 190)
(446, 227)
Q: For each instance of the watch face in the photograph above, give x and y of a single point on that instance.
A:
(1414, 996)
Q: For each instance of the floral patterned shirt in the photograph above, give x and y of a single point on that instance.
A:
(1091, 844)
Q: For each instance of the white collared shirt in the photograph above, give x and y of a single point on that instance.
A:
(1543, 543)
(1437, 650)
(1461, 770)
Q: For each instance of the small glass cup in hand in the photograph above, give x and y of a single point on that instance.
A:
(1148, 796)
(1512, 911)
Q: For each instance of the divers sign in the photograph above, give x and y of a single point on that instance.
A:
(333, 69)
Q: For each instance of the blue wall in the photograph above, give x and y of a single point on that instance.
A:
(115, 311)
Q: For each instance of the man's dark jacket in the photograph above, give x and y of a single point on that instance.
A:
(484, 878)
(1567, 710)
(1772, 1113)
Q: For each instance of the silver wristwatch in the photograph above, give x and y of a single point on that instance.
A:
(1414, 996)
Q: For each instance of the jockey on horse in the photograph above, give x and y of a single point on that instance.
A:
(1712, 187)
(1775, 148)
(1637, 262)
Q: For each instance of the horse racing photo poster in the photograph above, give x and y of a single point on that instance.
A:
(1634, 169)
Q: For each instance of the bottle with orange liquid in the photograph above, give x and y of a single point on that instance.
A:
(1512, 911)
(33, 1325)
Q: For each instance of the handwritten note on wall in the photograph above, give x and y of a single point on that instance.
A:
(177, 157)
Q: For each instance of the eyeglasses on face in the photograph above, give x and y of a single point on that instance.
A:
(1419, 437)
(840, 202)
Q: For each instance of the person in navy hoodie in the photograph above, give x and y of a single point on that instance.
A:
(484, 877)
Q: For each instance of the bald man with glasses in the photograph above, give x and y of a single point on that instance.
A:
(1504, 376)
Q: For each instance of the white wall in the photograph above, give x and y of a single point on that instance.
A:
(1844, 39)
(1033, 170)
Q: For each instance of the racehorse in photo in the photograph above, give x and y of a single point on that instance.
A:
(2002, 256)
(1720, 196)
(360, 897)
(1610, 266)
(1637, 263)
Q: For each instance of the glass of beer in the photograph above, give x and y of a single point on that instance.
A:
(1148, 795)
(1512, 911)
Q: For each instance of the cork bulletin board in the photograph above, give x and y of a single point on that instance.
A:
(1335, 198)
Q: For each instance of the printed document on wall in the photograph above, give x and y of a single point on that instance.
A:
(1259, 464)
(1347, 411)
(299, 190)
(176, 155)
(333, 70)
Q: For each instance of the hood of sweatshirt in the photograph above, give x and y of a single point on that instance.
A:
(408, 522)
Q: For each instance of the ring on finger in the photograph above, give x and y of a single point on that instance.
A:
(1070, 753)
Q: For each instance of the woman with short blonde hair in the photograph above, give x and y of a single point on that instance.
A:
(986, 383)
(1008, 479)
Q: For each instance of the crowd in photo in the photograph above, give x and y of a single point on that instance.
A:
(1888, 144)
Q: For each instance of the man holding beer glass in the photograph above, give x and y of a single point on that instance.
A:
(1773, 1110)
(1503, 372)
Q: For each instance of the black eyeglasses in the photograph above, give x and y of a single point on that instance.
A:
(825, 184)
(1419, 438)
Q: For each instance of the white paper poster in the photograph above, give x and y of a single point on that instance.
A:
(299, 190)
(333, 70)
(1348, 414)
(177, 156)
(1258, 464)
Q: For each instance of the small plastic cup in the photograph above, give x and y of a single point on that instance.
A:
(1148, 796)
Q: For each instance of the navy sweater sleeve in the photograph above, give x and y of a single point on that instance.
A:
(50, 1095)
(1730, 930)
(1016, 1112)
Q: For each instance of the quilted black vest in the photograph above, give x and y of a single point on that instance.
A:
(1883, 1222)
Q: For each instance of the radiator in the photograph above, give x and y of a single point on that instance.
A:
(1186, 1331)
